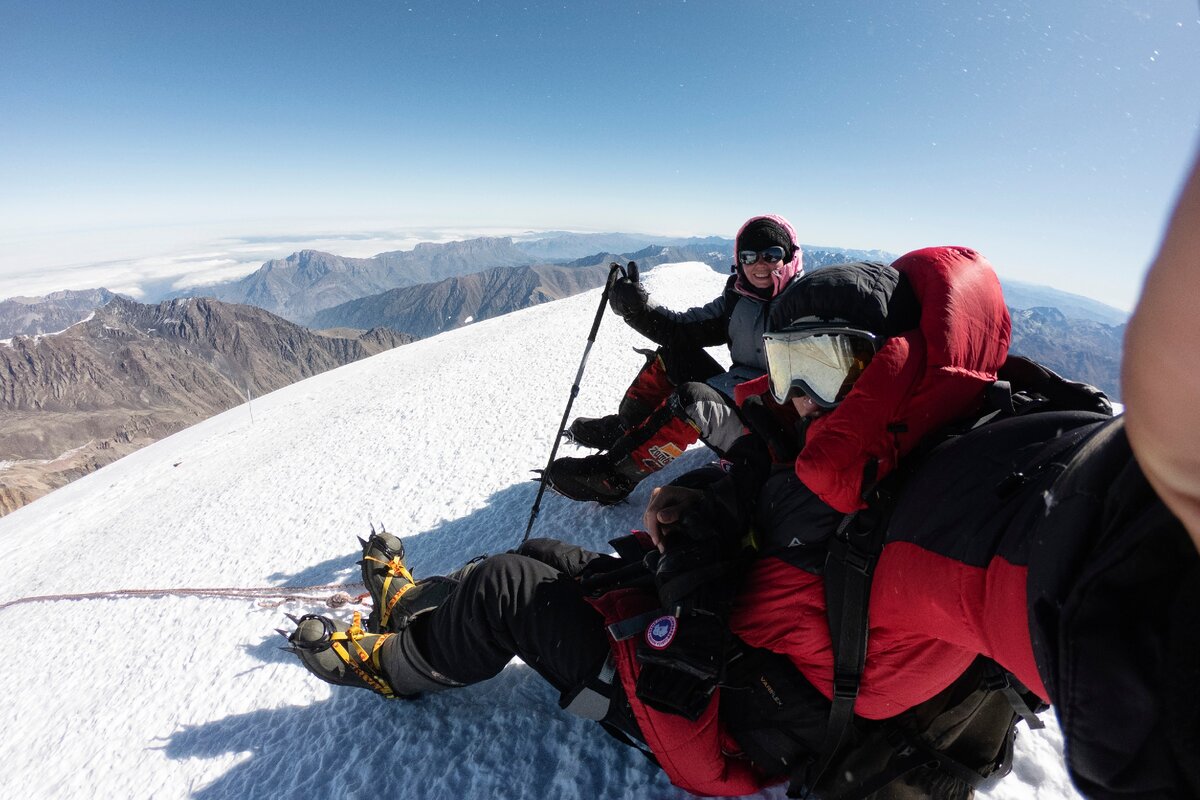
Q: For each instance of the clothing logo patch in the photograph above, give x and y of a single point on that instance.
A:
(662, 455)
(661, 632)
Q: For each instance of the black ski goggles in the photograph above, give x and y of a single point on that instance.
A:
(772, 255)
(823, 362)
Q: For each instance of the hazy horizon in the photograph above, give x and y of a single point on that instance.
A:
(1051, 137)
(149, 278)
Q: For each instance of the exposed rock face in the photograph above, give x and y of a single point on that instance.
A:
(134, 373)
(304, 283)
(29, 316)
(1078, 349)
(432, 308)
(429, 309)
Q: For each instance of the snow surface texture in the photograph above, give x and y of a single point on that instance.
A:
(163, 697)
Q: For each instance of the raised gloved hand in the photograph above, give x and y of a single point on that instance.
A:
(627, 296)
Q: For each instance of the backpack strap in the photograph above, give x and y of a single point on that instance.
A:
(1030, 381)
(1024, 387)
(849, 570)
(998, 679)
(959, 740)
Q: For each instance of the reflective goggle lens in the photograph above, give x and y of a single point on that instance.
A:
(772, 255)
(822, 363)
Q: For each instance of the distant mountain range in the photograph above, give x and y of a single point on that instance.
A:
(559, 246)
(299, 286)
(1079, 349)
(30, 316)
(427, 309)
(431, 308)
(133, 373)
(306, 283)
(1073, 306)
(1076, 337)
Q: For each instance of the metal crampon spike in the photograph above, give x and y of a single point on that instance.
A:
(292, 617)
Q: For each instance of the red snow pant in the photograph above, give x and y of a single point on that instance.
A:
(669, 406)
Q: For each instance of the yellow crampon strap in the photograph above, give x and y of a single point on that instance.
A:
(395, 567)
(352, 635)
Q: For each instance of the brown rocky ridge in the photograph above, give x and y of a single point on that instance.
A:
(133, 373)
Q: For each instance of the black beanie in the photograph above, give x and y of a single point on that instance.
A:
(763, 233)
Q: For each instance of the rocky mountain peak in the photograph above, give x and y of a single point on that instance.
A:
(136, 372)
(57, 311)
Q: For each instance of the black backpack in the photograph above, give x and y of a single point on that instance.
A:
(948, 741)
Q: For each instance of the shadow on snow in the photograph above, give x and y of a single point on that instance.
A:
(502, 738)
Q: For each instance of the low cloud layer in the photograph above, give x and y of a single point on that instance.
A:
(163, 266)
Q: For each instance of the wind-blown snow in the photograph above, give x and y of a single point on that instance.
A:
(169, 696)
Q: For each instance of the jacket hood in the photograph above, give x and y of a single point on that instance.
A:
(782, 275)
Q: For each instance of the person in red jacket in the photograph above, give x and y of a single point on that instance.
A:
(1055, 544)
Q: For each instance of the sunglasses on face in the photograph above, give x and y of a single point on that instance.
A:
(772, 255)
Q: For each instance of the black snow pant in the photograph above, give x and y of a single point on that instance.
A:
(525, 604)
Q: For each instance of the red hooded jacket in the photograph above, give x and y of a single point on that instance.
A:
(918, 382)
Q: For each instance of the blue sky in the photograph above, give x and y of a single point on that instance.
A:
(1049, 134)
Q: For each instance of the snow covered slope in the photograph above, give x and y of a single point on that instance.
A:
(186, 696)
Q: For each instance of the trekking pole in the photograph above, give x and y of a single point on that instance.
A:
(630, 272)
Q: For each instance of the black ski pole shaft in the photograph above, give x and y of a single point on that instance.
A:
(537, 502)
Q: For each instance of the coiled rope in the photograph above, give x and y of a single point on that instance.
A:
(268, 596)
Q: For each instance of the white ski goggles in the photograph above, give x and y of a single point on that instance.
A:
(823, 362)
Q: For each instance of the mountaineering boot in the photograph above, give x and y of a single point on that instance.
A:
(397, 598)
(650, 387)
(609, 477)
(340, 654)
(595, 477)
(388, 664)
(598, 433)
(385, 576)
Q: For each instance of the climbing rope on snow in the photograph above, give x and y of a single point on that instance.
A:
(268, 596)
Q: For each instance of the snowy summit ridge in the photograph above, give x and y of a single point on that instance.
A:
(174, 695)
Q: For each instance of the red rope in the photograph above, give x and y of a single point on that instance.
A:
(280, 594)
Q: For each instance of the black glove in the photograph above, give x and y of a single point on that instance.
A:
(688, 575)
(627, 298)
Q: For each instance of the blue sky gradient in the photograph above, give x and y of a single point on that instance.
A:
(1049, 134)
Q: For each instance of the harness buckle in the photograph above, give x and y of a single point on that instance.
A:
(845, 687)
